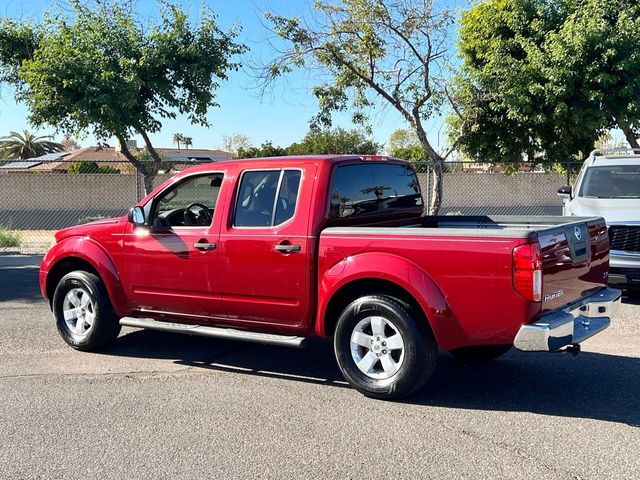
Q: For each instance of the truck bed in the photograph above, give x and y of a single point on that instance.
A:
(470, 258)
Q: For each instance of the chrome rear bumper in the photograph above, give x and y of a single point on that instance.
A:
(571, 325)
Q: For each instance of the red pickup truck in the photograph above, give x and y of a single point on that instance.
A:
(277, 250)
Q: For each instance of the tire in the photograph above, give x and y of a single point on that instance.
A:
(90, 321)
(391, 372)
(480, 353)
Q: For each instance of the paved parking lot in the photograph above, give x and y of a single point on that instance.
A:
(165, 406)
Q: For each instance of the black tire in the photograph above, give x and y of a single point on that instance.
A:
(480, 353)
(420, 350)
(105, 327)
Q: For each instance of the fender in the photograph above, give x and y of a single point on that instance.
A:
(405, 274)
(87, 249)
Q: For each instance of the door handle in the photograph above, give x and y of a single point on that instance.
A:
(204, 246)
(287, 248)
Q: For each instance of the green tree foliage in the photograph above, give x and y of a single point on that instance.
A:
(101, 70)
(373, 52)
(267, 149)
(90, 167)
(337, 141)
(545, 79)
(27, 145)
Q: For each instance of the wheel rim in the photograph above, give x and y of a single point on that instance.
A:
(78, 311)
(377, 347)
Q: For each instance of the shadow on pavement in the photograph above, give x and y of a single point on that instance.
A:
(631, 296)
(19, 283)
(592, 385)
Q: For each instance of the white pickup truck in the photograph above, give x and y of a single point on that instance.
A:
(608, 186)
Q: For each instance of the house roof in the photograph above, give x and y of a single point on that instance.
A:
(110, 157)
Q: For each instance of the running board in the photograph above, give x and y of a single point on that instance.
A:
(215, 332)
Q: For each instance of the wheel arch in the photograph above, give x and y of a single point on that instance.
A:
(83, 254)
(395, 276)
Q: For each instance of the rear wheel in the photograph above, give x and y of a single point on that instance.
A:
(480, 353)
(381, 349)
(83, 312)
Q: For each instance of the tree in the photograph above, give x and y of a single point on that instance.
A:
(27, 145)
(267, 149)
(373, 51)
(334, 141)
(188, 142)
(544, 80)
(102, 70)
(70, 144)
(178, 138)
(401, 138)
(236, 142)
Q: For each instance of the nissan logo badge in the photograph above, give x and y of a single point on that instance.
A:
(578, 234)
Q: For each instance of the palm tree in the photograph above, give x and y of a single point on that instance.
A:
(16, 146)
(188, 141)
(178, 138)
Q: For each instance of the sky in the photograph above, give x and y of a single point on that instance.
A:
(281, 116)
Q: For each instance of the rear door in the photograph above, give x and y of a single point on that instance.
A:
(265, 248)
(575, 261)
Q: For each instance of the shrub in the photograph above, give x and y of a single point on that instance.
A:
(90, 167)
(9, 238)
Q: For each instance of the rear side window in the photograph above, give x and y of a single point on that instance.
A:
(369, 189)
(267, 198)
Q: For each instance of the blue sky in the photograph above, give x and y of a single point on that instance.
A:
(282, 116)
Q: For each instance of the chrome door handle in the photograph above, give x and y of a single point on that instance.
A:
(204, 246)
(287, 248)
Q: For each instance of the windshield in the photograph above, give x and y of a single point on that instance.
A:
(619, 181)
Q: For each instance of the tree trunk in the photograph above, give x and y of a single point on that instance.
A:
(437, 189)
(436, 186)
(148, 172)
(148, 184)
(629, 134)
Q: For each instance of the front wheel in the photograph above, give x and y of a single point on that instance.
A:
(83, 312)
(381, 349)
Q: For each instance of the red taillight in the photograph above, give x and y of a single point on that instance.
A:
(527, 271)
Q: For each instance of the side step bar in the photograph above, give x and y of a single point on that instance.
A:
(215, 332)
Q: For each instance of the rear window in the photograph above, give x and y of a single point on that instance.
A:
(370, 189)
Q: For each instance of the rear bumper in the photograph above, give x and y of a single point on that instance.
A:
(570, 325)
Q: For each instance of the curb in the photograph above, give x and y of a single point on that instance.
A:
(20, 260)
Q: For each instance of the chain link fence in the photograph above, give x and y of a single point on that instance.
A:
(37, 199)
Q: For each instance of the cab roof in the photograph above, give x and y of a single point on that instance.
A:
(292, 160)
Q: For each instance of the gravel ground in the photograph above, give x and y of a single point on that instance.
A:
(159, 406)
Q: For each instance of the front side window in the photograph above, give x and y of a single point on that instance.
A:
(369, 189)
(267, 198)
(190, 203)
(619, 181)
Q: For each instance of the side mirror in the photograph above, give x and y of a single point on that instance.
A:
(565, 192)
(136, 216)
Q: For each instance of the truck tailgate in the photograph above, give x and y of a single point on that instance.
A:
(575, 261)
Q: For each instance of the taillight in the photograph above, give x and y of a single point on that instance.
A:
(527, 271)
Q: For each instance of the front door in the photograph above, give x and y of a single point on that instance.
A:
(264, 261)
(172, 266)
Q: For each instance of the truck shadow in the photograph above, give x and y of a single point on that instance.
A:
(592, 385)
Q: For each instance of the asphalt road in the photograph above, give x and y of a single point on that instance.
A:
(166, 406)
